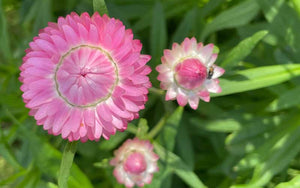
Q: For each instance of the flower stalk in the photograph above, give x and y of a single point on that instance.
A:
(66, 164)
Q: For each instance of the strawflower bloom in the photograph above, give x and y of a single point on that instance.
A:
(84, 77)
(135, 162)
(188, 72)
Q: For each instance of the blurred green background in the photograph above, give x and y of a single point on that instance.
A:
(247, 136)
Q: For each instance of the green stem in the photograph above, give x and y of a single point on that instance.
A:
(156, 91)
(157, 127)
(66, 164)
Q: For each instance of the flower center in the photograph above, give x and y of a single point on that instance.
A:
(85, 76)
(190, 73)
(135, 163)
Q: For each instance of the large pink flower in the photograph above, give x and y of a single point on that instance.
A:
(135, 162)
(188, 72)
(84, 77)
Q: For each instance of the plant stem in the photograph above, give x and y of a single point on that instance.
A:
(156, 91)
(66, 164)
(157, 127)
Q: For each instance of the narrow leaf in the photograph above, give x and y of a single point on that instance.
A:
(284, 23)
(294, 183)
(256, 78)
(184, 146)
(297, 6)
(233, 17)
(66, 163)
(220, 125)
(251, 134)
(168, 135)
(179, 167)
(114, 141)
(4, 37)
(47, 158)
(6, 153)
(158, 33)
(285, 100)
(142, 128)
(243, 49)
(100, 7)
(276, 153)
(185, 26)
(210, 6)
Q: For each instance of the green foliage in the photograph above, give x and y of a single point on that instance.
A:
(100, 6)
(242, 50)
(246, 137)
(236, 16)
(66, 163)
(255, 78)
(294, 183)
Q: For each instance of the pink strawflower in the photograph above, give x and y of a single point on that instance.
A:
(135, 162)
(84, 77)
(188, 72)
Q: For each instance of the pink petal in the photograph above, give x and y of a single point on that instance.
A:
(194, 102)
(206, 52)
(218, 71)
(171, 94)
(213, 86)
(182, 99)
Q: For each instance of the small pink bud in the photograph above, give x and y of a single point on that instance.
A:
(135, 162)
(191, 73)
(188, 72)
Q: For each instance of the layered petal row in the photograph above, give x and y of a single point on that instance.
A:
(188, 72)
(85, 77)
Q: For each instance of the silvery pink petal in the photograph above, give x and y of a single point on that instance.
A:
(188, 72)
(79, 76)
(135, 162)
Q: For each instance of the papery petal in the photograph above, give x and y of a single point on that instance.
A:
(188, 72)
(84, 77)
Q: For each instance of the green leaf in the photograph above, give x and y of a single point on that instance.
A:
(100, 7)
(179, 167)
(102, 164)
(184, 145)
(284, 23)
(219, 125)
(161, 178)
(297, 6)
(13, 178)
(185, 26)
(6, 153)
(114, 141)
(210, 6)
(66, 163)
(243, 49)
(51, 185)
(285, 100)
(275, 154)
(253, 132)
(158, 33)
(142, 128)
(47, 158)
(31, 178)
(171, 9)
(294, 183)
(43, 15)
(4, 37)
(256, 78)
(167, 136)
(233, 17)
